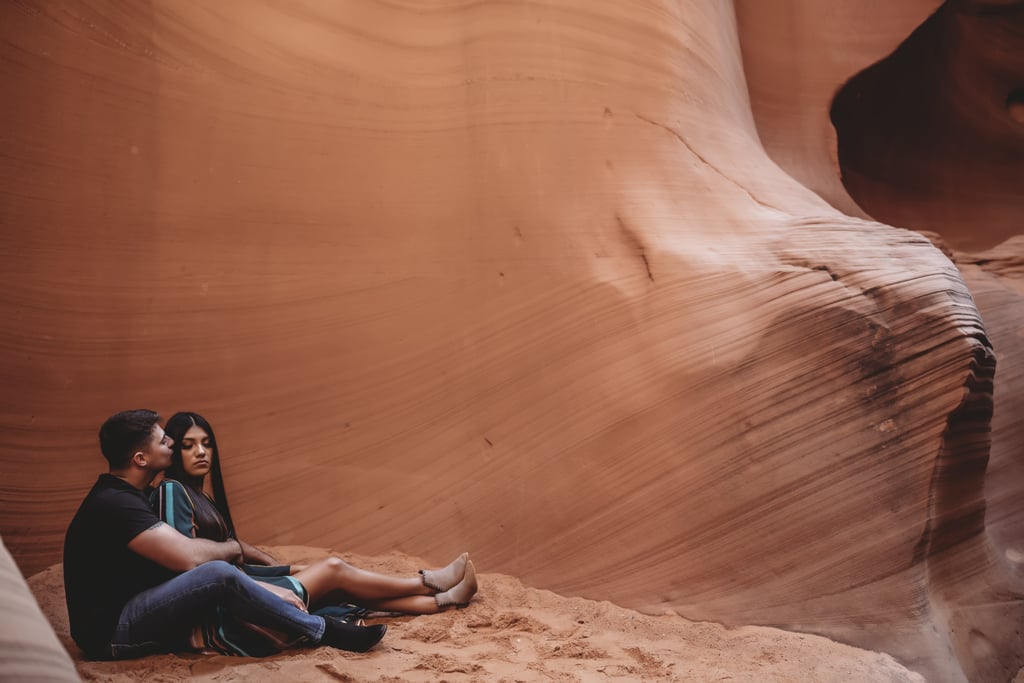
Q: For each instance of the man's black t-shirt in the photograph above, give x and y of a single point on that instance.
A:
(100, 573)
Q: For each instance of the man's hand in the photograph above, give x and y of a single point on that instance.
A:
(284, 594)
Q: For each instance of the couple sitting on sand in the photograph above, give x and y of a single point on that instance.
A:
(140, 581)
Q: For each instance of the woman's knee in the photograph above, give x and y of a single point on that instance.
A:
(337, 565)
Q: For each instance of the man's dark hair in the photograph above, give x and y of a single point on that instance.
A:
(124, 433)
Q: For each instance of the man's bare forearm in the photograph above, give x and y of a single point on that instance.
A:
(204, 550)
(165, 546)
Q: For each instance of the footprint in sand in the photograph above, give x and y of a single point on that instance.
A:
(573, 649)
(518, 622)
(650, 665)
(447, 665)
(428, 632)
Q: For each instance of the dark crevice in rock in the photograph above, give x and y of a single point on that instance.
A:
(636, 244)
(828, 270)
(704, 161)
(956, 498)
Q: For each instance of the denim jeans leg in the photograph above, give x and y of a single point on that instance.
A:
(160, 619)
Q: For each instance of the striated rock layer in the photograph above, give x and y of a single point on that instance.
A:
(928, 137)
(513, 277)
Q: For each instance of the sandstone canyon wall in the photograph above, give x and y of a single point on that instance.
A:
(513, 277)
(928, 137)
(924, 98)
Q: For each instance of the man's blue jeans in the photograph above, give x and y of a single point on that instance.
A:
(161, 618)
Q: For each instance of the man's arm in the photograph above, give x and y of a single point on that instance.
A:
(165, 546)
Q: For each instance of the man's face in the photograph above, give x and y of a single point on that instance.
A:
(158, 450)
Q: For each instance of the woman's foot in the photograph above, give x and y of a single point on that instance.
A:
(461, 593)
(347, 636)
(441, 580)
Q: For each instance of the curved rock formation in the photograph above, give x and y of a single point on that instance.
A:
(928, 137)
(796, 55)
(996, 279)
(513, 277)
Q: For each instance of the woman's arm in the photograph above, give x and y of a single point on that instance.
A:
(285, 594)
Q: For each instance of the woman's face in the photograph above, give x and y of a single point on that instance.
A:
(196, 454)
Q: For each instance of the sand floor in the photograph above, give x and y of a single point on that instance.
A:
(512, 632)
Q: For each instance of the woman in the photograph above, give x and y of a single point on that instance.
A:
(181, 502)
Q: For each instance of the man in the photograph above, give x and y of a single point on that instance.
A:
(136, 586)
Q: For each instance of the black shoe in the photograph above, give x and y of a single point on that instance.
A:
(345, 636)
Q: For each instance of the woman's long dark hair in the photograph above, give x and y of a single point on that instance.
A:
(176, 427)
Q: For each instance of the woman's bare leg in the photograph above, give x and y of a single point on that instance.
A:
(411, 604)
(334, 574)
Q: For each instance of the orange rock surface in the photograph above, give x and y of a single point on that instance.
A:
(575, 285)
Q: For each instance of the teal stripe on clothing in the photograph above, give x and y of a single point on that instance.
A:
(167, 498)
(298, 589)
(223, 636)
(175, 507)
